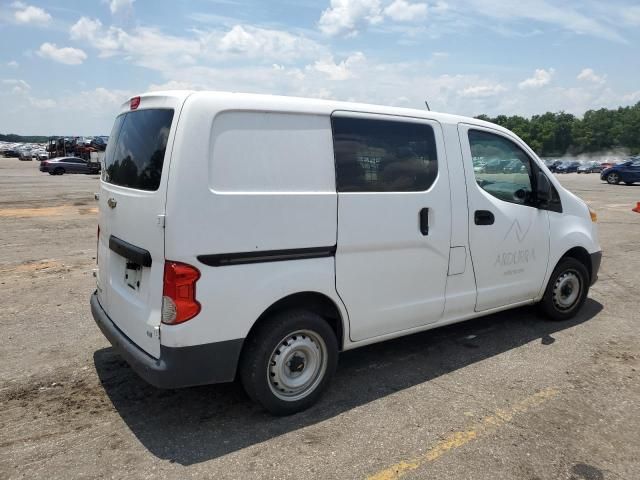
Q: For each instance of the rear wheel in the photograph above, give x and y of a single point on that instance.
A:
(58, 171)
(613, 178)
(566, 291)
(288, 361)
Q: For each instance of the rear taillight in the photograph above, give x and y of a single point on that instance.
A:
(179, 302)
(45, 163)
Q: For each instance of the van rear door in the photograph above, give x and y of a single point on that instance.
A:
(131, 219)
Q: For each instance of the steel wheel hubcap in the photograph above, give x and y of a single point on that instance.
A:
(297, 365)
(566, 290)
(613, 177)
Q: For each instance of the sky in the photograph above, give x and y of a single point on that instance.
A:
(66, 66)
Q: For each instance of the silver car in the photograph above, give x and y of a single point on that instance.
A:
(62, 165)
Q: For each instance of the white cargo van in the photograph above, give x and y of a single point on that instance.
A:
(255, 237)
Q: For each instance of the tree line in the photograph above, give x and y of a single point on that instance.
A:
(556, 134)
(13, 138)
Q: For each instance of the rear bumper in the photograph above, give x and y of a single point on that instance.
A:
(176, 367)
(596, 259)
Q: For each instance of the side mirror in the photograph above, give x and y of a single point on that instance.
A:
(543, 193)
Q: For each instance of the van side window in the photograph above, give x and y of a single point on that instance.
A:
(383, 155)
(501, 167)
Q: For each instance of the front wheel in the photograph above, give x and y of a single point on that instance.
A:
(566, 291)
(288, 361)
(613, 178)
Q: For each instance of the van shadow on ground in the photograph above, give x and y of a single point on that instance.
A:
(197, 424)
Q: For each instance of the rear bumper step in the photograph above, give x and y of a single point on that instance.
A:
(176, 367)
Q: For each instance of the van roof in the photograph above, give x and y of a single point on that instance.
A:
(312, 105)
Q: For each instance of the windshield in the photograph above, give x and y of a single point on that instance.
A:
(135, 154)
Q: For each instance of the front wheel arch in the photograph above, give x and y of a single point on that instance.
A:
(582, 255)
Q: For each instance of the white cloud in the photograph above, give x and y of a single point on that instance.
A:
(151, 48)
(21, 92)
(42, 103)
(567, 15)
(254, 42)
(144, 46)
(121, 6)
(631, 15)
(28, 14)
(85, 29)
(66, 55)
(541, 77)
(13, 64)
(18, 86)
(588, 75)
(403, 11)
(482, 91)
(347, 16)
(340, 71)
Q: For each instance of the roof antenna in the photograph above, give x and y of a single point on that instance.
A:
(427, 104)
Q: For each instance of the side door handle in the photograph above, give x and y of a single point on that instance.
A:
(483, 217)
(424, 221)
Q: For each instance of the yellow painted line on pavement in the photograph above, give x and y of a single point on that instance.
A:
(458, 439)
(45, 211)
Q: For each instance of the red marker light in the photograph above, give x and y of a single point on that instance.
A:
(135, 103)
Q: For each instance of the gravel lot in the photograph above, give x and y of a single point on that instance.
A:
(507, 396)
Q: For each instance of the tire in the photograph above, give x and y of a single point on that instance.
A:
(560, 300)
(58, 171)
(265, 367)
(613, 178)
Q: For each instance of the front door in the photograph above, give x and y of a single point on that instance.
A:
(508, 234)
(394, 221)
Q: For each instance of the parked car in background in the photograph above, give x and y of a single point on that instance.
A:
(11, 153)
(627, 172)
(567, 167)
(515, 166)
(62, 165)
(497, 165)
(553, 164)
(99, 143)
(25, 155)
(590, 167)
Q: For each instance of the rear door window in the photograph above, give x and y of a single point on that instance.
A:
(135, 156)
(374, 155)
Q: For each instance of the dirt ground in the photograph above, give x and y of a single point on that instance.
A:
(509, 396)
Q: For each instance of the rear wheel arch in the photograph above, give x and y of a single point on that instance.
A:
(316, 302)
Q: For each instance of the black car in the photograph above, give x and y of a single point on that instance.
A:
(61, 165)
(11, 153)
(590, 167)
(552, 164)
(627, 172)
(99, 144)
(567, 167)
